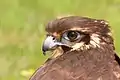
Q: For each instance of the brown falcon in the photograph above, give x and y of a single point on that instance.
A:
(82, 49)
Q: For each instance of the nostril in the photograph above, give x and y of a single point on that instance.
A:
(53, 38)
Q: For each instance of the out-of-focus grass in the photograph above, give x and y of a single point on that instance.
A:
(22, 29)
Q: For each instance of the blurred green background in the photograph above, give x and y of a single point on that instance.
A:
(22, 29)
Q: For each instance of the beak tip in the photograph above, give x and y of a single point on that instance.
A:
(44, 49)
(44, 53)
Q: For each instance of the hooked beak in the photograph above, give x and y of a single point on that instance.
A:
(50, 43)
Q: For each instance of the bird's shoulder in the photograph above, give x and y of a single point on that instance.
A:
(80, 65)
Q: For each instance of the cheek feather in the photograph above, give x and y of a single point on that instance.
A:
(95, 40)
(57, 52)
(77, 46)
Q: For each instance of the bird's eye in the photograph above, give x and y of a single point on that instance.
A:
(71, 35)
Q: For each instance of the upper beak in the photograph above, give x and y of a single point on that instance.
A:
(50, 43)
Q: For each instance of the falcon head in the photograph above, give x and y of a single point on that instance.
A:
(76, 33)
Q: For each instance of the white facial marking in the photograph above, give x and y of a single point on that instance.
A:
(77, 46)
(95, 40)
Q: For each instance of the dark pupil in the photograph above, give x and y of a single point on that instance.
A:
(72, 35)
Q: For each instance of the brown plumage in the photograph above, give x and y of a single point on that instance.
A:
(82, 49)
